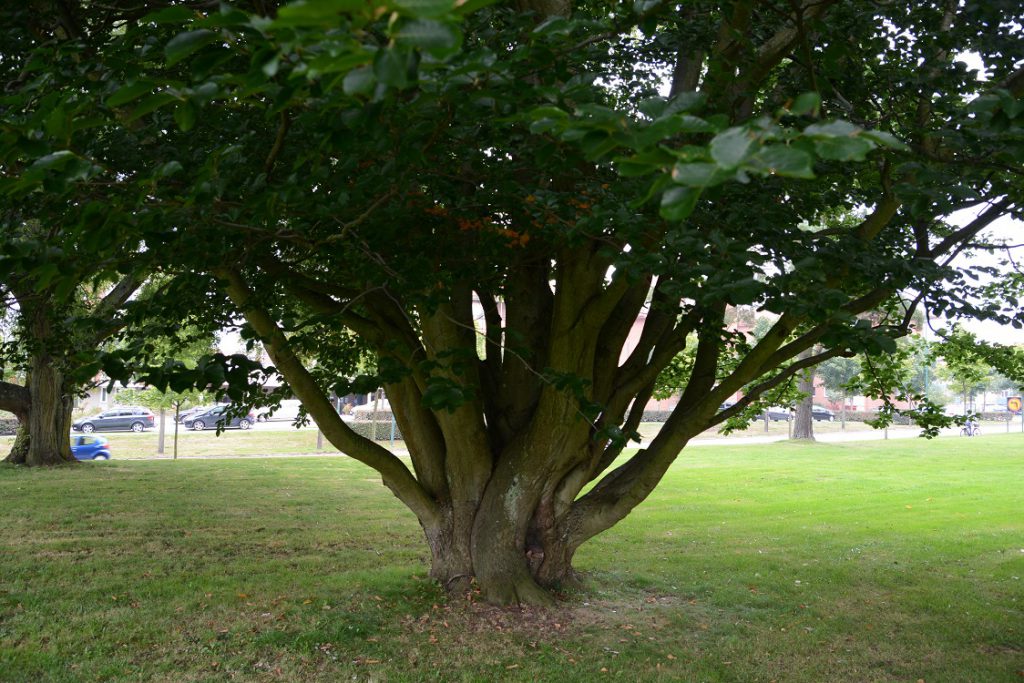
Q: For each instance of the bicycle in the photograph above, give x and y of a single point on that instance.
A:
(970, 430)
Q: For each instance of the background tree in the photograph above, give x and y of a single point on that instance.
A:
(803, 418)
(402, 172)
(963, 369)
(836, 374)
(70, 253)
(163, 401)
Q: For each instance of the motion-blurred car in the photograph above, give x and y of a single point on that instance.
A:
(822, 414)
(215, 417)
(134, 418)
(189, 412)
(288, 410)
(775, 414)
(89, 447)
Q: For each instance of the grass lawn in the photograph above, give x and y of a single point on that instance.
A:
(879, 561)
(260, 440)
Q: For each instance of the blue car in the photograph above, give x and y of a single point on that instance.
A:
(90, 447)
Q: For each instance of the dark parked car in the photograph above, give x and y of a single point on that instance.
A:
(185, 414)
(819, 413)
(776, 414)
(89, 447)
(123, 417)
(214, 417)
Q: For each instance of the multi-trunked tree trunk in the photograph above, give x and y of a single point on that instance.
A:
(497, 479)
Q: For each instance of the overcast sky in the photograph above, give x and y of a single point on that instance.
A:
(1008, 231)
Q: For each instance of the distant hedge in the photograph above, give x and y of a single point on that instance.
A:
(383, 429)
(851, 416)
(8, 426)
(367, 416)
(366, 426)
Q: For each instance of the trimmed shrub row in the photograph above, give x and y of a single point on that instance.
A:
(379, 430)
(8, 426)
(851, 416)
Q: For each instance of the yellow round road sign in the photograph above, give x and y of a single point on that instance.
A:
(1014, 403)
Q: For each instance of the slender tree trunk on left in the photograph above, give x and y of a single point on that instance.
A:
(163, 431)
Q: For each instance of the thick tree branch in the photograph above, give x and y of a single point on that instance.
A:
(16, 399)
(394, 474)
(966, 233)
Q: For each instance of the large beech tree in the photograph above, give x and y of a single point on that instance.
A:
(71, 256)
(492, 196)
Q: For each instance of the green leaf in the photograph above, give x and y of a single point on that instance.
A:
(151, 104)
(184, 380)
(86, 122)
(844, 148)
(127, 93)
(678, 202)
(653, 106)
(335, 63)
(729, 148)
(684, 102)
(58, 123)
(643, 163)
(831, 129)
(432, 36)
(169, 15)
(745, 291)
(442, 393)
(65, 286)
(807, 104)
(548, 113)
(271, 66)
(182, 45)
(596, 144)
(666, 127)
(1012, 106)
(884, 139)
(57, 159)
(168, 169)
(693, 124)
(541, 126)
(319, 13)
(786, 161)
(44, 275)
(463, 7)
(698, 174)
(430, 9)
(359, 81)
(390, 66)
(185, 116)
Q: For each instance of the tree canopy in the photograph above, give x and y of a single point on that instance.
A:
(491, 197)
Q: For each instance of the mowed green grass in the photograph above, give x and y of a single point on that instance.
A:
(880, 561)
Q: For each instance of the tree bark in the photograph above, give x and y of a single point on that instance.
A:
(43, 435)
(803, 421)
